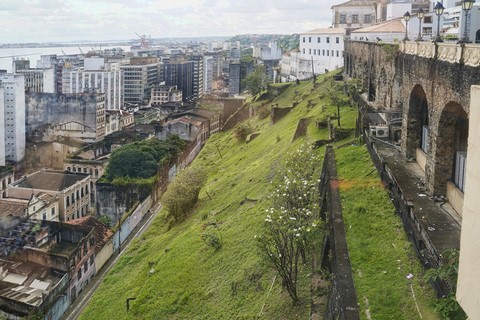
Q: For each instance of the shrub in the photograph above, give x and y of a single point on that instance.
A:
(182, 193)
(242, 130)
(212, 240)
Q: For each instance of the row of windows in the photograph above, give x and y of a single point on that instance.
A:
(328, 52)
(319, 39)
(79, 193)
(44, 214)
(355, 18)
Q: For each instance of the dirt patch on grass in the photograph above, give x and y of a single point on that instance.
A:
(346, 185)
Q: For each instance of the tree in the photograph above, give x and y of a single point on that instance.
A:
(255, 81)
(141, 159)
(291, 223)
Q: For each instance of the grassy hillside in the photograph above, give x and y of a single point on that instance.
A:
(173, 274)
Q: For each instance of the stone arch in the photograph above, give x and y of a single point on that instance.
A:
(382, 89)
(450, 148)
(416, 135)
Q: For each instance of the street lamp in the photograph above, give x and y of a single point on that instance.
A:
(420, 15)
(438, 11)
(466, 6)
(406, 17)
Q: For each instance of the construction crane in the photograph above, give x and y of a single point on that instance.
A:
(81, 51)
(63, 52)
(144, 42)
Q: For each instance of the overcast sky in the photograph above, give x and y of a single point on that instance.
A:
(70, 20)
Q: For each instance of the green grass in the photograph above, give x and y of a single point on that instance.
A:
(380, 253)
(174, 275)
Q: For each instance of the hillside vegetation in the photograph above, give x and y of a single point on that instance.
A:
(175, 272)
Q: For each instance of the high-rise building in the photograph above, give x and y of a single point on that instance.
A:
(139, 77)
(12, 117)
(177, 71)
(207, 74)
(198, 74)
(217, 63)
(234, 79)
(99, 75)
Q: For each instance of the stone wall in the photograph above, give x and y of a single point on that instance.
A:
(428, 87)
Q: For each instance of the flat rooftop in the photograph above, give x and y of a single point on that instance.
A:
(49, 180)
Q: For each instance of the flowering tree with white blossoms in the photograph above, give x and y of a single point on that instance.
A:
(291, 223)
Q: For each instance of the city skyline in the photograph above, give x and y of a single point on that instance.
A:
(70, 20)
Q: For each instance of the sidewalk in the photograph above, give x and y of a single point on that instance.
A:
(432, 226)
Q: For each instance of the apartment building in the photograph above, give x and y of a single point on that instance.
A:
(139, 77)
(12, 117)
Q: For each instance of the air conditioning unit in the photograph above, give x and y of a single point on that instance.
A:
(382, 132)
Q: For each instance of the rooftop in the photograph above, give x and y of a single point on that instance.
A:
(49, 180)
(392, 26)
(326, 31)
(101, 232)
(26, 282)
(13, 207)
(356, 3)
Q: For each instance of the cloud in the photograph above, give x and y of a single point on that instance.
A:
(67, 20)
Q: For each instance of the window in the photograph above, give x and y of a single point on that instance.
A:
(309, 39)
(68, 201)
(309, 51)
(328, 39)
(337, 39)
(427, 19)
(318, 39)
(337, 53)
(303, 51)
(323, 52)
(73, 198)
(85, 267)
(52, 213)
(79, 274)
(367, 18)
(303, 39)
(343, 18)
(91, 260)
(44, 215)
(354, 18)
(314, 52)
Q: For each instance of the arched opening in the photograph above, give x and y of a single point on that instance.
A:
(451, 149)
(416, 126)
(382, 89)
(477, 36)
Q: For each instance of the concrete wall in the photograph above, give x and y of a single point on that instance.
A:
(51, 109)
(468, 286)
(103, 255)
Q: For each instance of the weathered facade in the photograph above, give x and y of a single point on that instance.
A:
(430, 84)
(80, 116)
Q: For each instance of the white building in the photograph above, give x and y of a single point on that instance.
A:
(97, 74)
(12, 117)
(324, 47)
(355, 14)
(289, 66)
(207, 74)
(165, 93)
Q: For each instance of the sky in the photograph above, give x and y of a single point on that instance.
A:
(23, 21)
